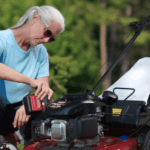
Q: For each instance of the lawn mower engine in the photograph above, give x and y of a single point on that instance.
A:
(76, 120)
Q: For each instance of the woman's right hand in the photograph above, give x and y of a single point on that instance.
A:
(42, 88)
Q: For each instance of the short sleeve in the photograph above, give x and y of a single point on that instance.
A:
(44, 63)
(2, 45)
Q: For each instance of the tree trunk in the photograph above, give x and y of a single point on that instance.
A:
(112, 46)
(103, 49)
(125, 58)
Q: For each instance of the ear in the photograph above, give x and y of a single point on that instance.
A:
(36, 15)
(35, 18)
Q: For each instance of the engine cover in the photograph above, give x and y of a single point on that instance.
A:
(58, 130)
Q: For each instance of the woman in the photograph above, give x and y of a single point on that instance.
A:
(24, 61)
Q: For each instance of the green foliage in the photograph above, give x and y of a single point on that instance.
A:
(77, 41)
(125, 21)
(143, 39)
(20, 146)
(74, 57)
(61, 69)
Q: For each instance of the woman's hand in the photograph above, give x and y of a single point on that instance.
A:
(42, 88)
(20, 117)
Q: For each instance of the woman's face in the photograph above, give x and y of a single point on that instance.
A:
(39, 33)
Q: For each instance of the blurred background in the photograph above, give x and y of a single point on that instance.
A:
(94, 30)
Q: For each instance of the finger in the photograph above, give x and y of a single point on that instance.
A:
(23, 120)
(26, 119)
(42, 92)
(16, 119)
(20, 120)
(19, 123)
(38, 89)
(46, 92)
(50, 94)
(43, 96)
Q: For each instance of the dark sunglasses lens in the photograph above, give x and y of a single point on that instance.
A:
(47, 33)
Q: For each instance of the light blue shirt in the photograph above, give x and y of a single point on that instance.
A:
(31, 63)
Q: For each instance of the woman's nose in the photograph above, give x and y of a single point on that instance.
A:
(46, 39)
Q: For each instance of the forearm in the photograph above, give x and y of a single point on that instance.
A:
(7, 73)
(44, 79)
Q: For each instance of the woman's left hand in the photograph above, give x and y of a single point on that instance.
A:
(20, 117)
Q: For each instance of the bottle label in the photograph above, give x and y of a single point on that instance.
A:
(34, 104)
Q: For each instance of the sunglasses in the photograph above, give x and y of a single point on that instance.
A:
(48, 33)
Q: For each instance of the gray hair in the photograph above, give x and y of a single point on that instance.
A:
(47, 13)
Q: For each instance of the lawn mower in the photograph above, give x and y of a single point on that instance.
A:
(118, 119)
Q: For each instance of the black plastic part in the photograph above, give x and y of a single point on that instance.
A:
(2, 107)
(75, 106)
(119, 88)
(45, 100)
(34, 128)
(148, 104)
(83, 128)
(28, 106)
(136, 25)
(108, 117)
(146, 144)
(127, 107)
(109, 97)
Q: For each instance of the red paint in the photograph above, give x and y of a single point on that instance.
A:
(41, 145)
(113, 143)
(130, 144)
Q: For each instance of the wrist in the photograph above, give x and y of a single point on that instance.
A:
(29, 81)
(32, 82)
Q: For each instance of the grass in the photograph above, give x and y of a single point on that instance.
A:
(20, 146)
